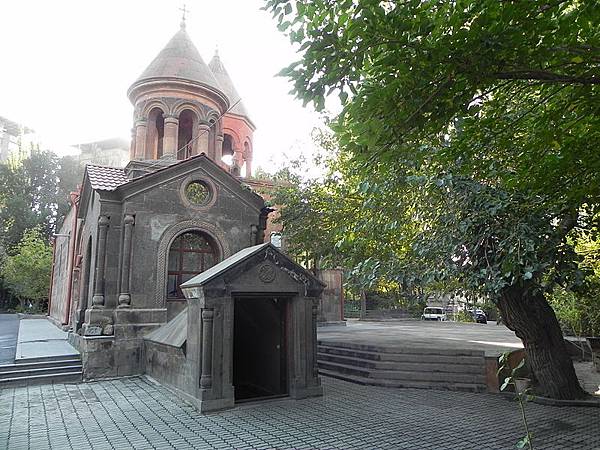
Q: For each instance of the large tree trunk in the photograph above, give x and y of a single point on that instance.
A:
(526, 312)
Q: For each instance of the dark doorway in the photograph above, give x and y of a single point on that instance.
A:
(259, 350)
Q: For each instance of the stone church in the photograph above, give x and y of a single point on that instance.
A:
(161, 268)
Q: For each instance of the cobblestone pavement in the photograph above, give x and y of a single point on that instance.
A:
(137, 413)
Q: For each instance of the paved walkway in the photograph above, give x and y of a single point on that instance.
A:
(493, 339)
(137, 413)
(9, 329)
(40, 338)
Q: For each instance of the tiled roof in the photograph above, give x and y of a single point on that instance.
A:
(106, 178)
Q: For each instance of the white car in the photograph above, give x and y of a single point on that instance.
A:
(433, 313)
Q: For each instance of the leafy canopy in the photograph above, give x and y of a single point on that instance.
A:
(473, 125)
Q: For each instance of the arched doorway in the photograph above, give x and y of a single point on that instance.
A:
(190, 253)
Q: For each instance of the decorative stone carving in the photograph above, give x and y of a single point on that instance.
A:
(124, 296)
(98, 298)
(267, 273)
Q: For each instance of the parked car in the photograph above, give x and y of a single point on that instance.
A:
(479, 316)
(434, 313)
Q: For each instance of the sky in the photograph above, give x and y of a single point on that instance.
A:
(66, 65)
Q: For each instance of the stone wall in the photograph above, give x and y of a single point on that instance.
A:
(331, 305)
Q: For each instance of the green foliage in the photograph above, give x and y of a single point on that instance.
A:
(466, 117)
(464, 316)
(468, 140)
(34, 194)
(577, 307)
(522, 396)
(26, 272)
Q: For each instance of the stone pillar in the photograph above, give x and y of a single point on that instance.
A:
(124, 296)
(132, 146)
(140, 139)
(207, 348)
(170, 137)
(219, 149)
(203, 138)
(249, 166)
(98, 299)
(238, 158)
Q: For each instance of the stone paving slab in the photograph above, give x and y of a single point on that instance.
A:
(137, 413)
(40, 338)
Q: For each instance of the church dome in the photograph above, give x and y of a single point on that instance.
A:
(179, 60)
(225, 83)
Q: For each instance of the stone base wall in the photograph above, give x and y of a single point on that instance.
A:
(165, 364)
(107, 357)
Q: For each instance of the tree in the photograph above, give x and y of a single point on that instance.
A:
(34, 193)
(478, 121)
(27, 271)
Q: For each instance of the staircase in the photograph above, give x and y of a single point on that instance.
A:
(54, 369)
(425, 368)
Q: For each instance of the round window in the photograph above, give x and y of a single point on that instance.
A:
(197, 192)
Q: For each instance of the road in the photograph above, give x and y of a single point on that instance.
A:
(9, 330)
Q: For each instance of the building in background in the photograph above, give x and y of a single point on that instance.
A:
(112, 152)
(15, 138)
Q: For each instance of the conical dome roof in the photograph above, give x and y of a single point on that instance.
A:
(220, 73)
(180, 59)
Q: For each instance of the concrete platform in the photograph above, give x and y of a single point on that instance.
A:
(40, 339)
(491, 338)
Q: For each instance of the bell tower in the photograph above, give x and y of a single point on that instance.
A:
(184, 107)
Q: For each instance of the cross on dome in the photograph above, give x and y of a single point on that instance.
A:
(184, 11)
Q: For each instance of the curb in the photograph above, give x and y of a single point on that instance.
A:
(591, 403)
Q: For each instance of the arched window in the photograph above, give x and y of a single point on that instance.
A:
(190, 254)
(156, 133)
(227, 153)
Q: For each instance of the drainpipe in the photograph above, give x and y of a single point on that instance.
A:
(75, 202)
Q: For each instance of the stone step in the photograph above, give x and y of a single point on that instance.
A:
(465, 387)
(49, 359)
(61, 377)
(400, 349)
(18, 373)
(39, 365)
(401, 357)
(431, 365)
(403, 375)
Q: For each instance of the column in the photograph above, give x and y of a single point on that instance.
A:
(170, 138)
(140, 139)
(203, 135)
(249, 166)
(132, 146)
(207, 347)
(124, 296)
(315, 368)
(219, 149)
(98, 298)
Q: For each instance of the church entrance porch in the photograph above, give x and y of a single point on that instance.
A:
(259, 348)
(249, 332)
